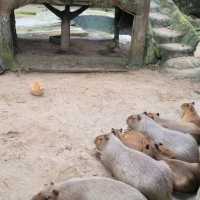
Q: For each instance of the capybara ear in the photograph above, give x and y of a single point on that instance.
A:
(120, 130)
(145, 113)
(138, 117)
(55, 192)
(158, 114)
(193, 103)
(112, 130)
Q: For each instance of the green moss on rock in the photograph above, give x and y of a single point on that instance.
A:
(180, 22)
(152, 50)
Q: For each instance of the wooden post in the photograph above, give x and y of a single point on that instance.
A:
(117, 26)
(65, 30)
(13, 30)
(140, 28)
(6, 42)
(66, 16)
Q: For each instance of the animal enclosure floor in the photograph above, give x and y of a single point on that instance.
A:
(84, 56)
(50, 138)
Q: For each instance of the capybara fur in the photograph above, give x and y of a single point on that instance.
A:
(183, 145)
(186, 176)
(97, 188)
(153, 178)
(184, 127)
(145, 144)
(189, 113)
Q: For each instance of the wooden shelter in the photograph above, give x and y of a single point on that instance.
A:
(138, 8)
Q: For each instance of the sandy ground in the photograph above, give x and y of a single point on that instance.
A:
(50, 138)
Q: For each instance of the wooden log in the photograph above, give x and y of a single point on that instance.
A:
(140, 28)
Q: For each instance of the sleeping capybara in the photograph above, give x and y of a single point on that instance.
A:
(183, 145)
(153, 178)
(96, 188)
(183, 127)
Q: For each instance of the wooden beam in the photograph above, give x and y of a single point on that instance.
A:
(140, 28)
(65, 30)
(66, 16)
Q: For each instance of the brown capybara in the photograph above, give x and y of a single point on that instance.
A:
(189, 113)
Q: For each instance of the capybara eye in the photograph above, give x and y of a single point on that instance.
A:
(147, 146)
(106, 138)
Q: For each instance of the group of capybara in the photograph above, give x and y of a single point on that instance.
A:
(153, 159)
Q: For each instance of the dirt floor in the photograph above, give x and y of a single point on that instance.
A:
(50, 138)
(83, 54)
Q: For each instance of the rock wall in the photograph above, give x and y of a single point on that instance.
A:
(189, 6)
(171, 33)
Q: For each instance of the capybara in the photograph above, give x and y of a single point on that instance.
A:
(189, 113)
(96, 188)
(153, 178)
(183, 145)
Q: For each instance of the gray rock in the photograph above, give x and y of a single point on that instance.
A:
(183, 67)
(197, 51)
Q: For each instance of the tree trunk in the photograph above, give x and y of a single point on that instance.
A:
(137, 51)
(6, 42)
(13, 29)
(65, 30)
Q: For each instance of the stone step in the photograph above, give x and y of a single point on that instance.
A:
(159, 20)
(185, 62)
(166, 35)
(184, 73)
(73, 63)
(154, 7)
(183, 67)
(173, 50)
